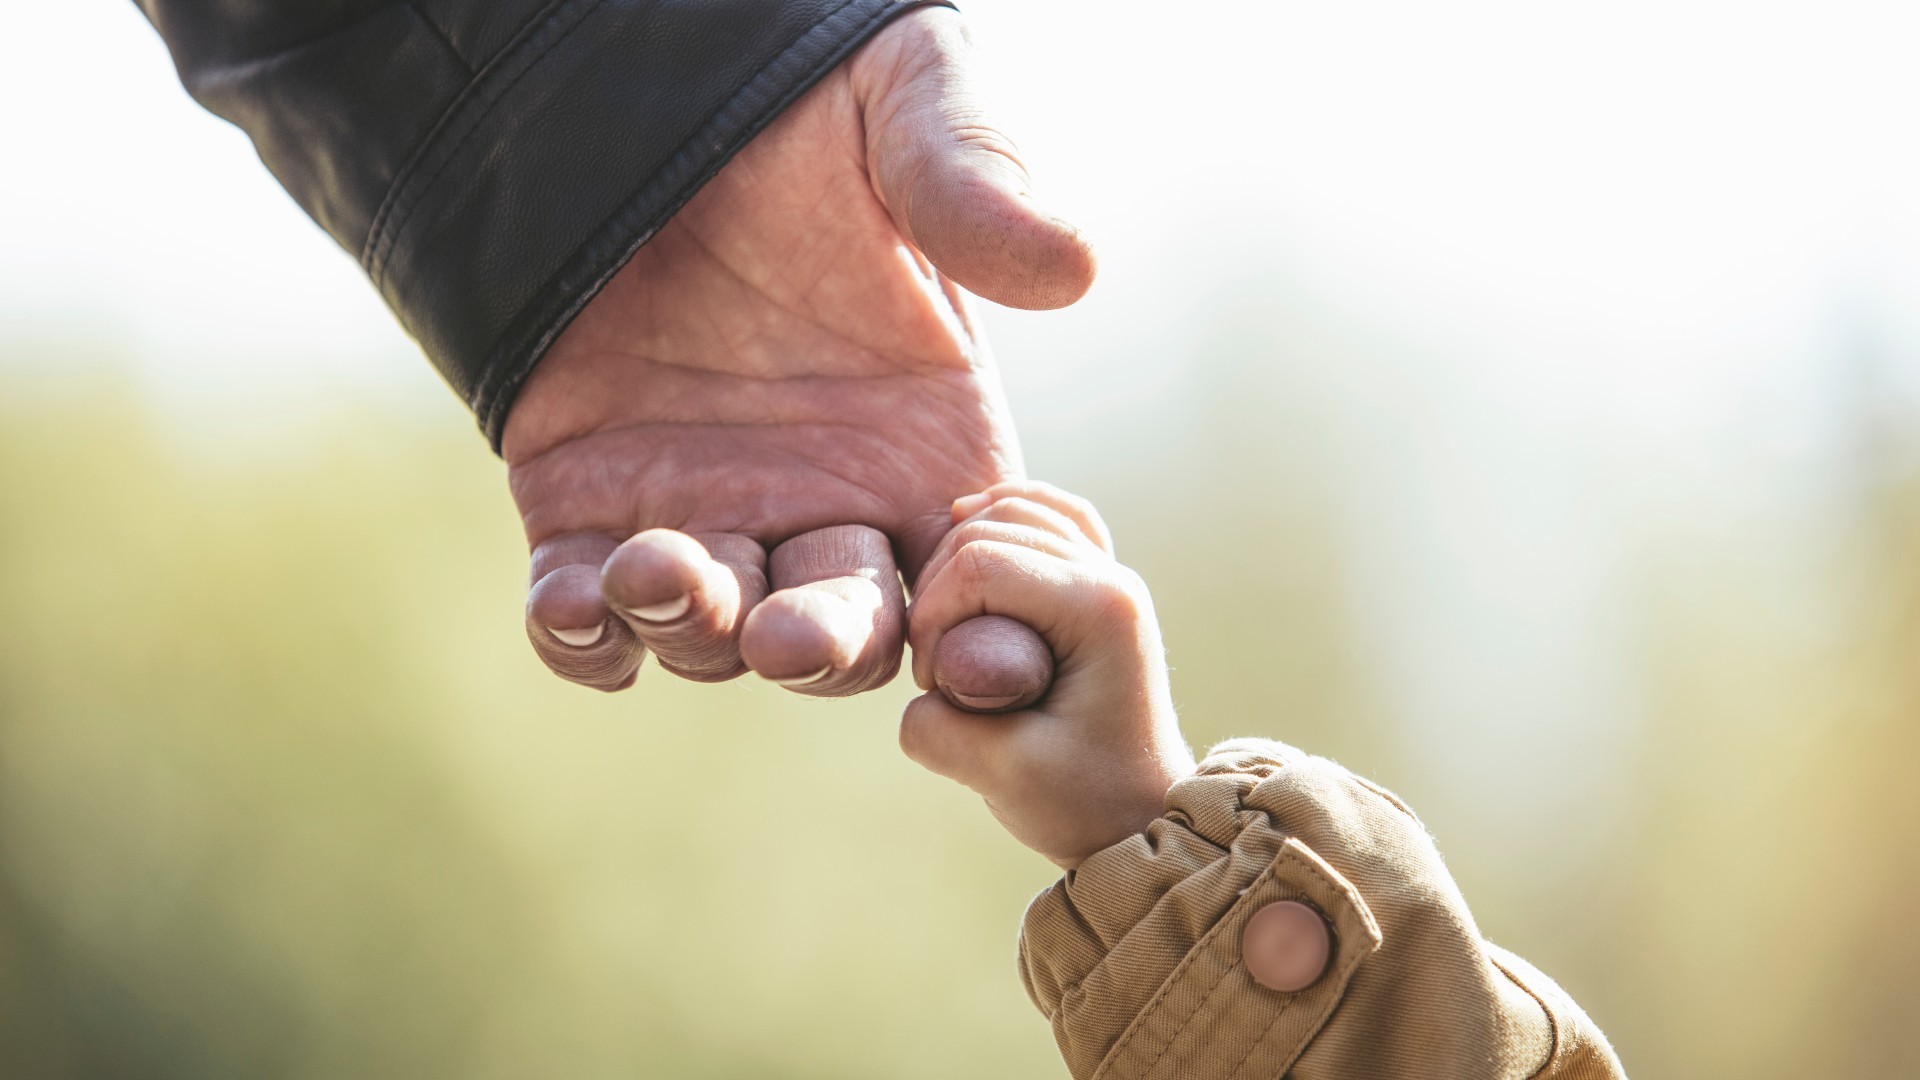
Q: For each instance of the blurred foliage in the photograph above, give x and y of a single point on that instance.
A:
(284, 793)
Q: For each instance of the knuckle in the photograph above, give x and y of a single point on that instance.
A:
(1046, 502)
(1120, 594)
(975, 531)
(917, 732)
(1025, 511)
(919, 624)
(1051, 492)
(1081, 510)
(979, 560)
(912, 737)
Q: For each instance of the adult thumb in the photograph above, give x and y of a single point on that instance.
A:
(954, 183)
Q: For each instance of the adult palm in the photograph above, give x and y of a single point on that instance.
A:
(793, 352)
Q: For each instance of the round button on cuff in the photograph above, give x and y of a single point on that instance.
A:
(1286, 946)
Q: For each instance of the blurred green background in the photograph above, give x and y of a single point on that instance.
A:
(284, 793)
(1519, 404)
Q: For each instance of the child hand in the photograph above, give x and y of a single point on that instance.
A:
(1090, 764)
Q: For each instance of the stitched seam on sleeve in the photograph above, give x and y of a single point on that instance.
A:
(1201, 1007)
(1553, 1022)
(1106, 948)
(1180, 969)
(1278, 1015)
(1353, 948)
(1307, 865)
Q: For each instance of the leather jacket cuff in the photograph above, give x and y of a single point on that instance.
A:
(494, 164)
(568, 153)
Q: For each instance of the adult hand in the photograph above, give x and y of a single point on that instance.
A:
(792, 352)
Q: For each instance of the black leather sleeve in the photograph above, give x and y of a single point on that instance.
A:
(493, 162)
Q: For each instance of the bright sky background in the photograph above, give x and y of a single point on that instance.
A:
(1635, 267)
(1669, 189)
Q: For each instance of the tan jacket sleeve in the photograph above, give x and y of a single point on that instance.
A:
(1135, 957)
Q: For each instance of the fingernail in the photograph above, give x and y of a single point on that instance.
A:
(580, 638)
(803, 680)
(968, 505)
(984, 704)
(666, 612)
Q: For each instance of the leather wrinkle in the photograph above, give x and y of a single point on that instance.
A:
(441, 33)
(406, 195)
(241, 70)
(321, 89)
(273, 54)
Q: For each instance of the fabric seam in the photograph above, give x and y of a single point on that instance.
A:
(1256, 1044)
(1553, 1022)
(1198, 1008)
(1345, 960)
(1173, 977)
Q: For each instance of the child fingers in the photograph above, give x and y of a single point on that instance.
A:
(1020, 510)
(1007, 532)
(1081, 512)
(1043, 546)
(1062, 600)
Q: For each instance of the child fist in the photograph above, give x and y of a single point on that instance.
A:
(1090, 763)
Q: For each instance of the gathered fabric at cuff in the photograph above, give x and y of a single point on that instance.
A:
(1138, 958)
